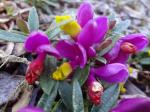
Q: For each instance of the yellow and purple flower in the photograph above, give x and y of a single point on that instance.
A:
(92, 31)
(38, 42)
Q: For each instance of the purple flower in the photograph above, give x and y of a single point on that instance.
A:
(112, 73)
(31, 109)
(38, 42)
(125, 46)
(139, 104)
(92, 32)
(93, 29)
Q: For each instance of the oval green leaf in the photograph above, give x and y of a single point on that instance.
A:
(11, 37)
(77, 98)
(33, 20)
(65, 91)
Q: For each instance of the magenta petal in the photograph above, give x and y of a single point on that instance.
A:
(72, 51)
(36, 39)
(139, 40)
(31, 109)
(81, 55)
(139, 104)
(112, 73)
(91, 52)
(85, 13)
(48, 49)
(102, 29)
(113, 53)
(66, 49)
(93, 32)
(121, 58)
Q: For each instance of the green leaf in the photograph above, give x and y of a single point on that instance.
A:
(46, 100)
(109, 99)
(33, 20)
(22, 25)
(145, 61)
(53, 33)
(65, 91)
(12, 37)
(101, 59)
(121, 26)
(81, 74)
(46, 82)
(77, 98)
(56, 106)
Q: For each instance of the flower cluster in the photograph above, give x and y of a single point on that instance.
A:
(87, 33)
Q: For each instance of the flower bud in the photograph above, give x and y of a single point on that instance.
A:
(62, 72)
(95, 91)
(128, 47)
(34, 70)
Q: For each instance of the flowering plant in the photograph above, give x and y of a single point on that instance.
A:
(84, 71)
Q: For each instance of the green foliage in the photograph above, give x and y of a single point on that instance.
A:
(46, 82)
(65, 91)
(12, 37)
(77, 98)
(46, 100)
(109, 99)
(81, 74)
(53, 33)
(33, 20)
(121, 26)
(101, 59)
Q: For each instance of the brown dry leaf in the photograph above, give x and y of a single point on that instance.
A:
(18, 49)
(9, 48)
(133, 13)
(23, 101)
(5, 58)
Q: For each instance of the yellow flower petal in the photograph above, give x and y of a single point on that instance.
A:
(122, 88)
(72, 28)
(148, 52)
(62, 72)
(130, 69)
